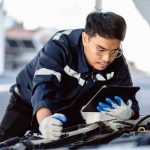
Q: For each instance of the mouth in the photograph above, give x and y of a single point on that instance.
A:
(102, 65)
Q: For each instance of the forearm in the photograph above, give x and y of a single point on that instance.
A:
(42, 113)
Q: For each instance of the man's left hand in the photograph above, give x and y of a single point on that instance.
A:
(117, 108)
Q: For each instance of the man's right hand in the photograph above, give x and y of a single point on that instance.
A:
(51, 126)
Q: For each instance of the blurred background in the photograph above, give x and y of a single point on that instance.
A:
(25, 26)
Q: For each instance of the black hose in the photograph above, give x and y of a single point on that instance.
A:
(140, 121)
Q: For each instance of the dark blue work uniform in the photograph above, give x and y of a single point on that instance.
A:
(59, 79)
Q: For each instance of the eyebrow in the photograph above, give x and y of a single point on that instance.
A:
(99, 46)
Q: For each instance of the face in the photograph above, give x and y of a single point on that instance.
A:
(99, 51)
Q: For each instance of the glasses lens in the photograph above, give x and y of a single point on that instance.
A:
(119, 53)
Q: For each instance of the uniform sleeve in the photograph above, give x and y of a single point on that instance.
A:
(47, 77)
(122, 77)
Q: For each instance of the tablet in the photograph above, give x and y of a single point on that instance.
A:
(125, 92)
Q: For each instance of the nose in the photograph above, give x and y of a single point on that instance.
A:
(106, 57)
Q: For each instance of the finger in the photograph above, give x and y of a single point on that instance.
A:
(115, 106)
(57, 128)
(103, 105)
(110, 101)
(129, 103)
(60, 117)
(52, 130)
(119, 100)
(57, 134)
(55, 122)
(101, 109)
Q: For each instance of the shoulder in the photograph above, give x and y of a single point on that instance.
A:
(67, 40)
(64, 46)
(71, 37)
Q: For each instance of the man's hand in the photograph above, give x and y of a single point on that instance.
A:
(117, 108)
(51, 126)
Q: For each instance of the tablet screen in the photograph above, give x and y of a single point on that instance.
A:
(125, 92)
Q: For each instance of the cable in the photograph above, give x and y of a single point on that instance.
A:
(125, 123)
(140, 121)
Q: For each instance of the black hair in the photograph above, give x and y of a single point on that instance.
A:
(106, 24)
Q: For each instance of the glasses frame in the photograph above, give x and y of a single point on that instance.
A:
(119, 51)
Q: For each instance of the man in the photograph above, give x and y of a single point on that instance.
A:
(51, 90)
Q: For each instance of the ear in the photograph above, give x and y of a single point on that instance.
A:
(85, 38)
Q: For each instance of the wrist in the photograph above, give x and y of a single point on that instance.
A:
(132, 114)
(42, 113)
